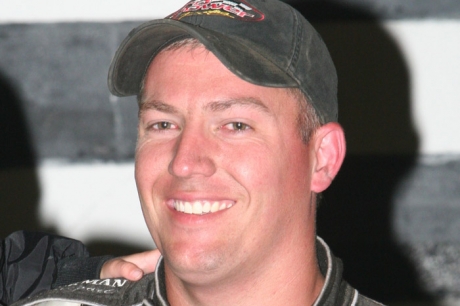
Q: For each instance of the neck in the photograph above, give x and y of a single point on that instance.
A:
(290, 276)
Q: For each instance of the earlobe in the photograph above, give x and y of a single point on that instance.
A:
(329, 152)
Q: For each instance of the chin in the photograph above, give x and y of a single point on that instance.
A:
(195, 262)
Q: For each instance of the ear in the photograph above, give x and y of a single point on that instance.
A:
(329, 151)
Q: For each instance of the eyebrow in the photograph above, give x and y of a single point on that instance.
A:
(220, 106)
(217, 106)
(158, 106)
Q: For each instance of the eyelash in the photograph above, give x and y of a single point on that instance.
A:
(159, 126)
(242, 127)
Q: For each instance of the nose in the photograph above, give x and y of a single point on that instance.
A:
(193, 155)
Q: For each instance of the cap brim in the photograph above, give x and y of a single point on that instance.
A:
(136, 52)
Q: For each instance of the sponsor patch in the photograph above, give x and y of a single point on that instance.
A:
(104, 286)
(231, 9)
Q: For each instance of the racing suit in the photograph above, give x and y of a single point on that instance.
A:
(151, 290)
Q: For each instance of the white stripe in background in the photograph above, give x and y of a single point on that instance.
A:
(33, 11)
(431, 49)
(92, 201)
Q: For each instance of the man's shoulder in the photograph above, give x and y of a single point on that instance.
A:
(336, 291)
(98, 292)
(148, 291)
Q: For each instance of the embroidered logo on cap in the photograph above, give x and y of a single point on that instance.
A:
(231, 9)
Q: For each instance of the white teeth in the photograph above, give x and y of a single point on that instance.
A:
(201, 207)
(206, 207)
(197, 208)
(188, 208)
(215, 207)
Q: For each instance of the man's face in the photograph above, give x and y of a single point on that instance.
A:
(222, 174)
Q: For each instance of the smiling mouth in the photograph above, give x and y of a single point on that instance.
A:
(201, 207)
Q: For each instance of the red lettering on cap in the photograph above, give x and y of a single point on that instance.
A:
(230, 9)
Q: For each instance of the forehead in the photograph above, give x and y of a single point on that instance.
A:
(192, 72)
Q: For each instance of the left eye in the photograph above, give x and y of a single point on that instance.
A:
(164, 125)
(238, 126)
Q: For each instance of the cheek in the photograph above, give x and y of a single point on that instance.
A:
(149, 168)
(142, 173)
(278, 172)
(149, 164)
(257, 168)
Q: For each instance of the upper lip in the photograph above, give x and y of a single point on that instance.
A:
(198, 203)
(192, 196)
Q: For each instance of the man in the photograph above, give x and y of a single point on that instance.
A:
(237, 137)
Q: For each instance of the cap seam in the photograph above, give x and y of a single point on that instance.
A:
(296, 47)
(298, 30)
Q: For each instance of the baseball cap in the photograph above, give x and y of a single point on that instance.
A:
(264, 42)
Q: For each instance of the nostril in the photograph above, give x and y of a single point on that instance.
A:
(179, 167)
